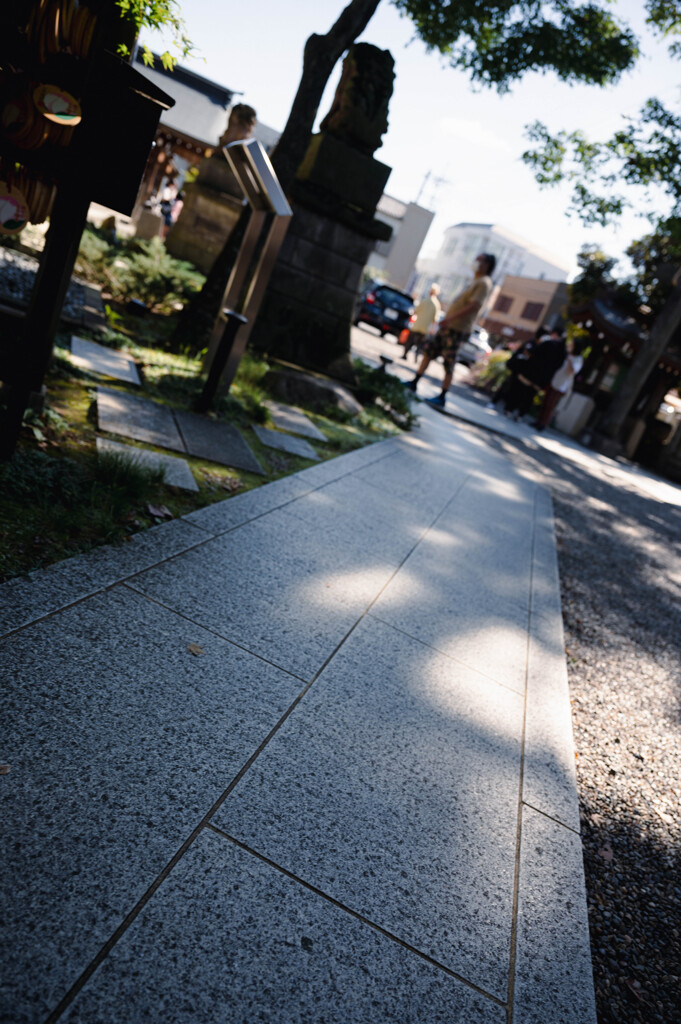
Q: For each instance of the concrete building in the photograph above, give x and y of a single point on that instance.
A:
(519, 305)
(452, 268)
(395, 259)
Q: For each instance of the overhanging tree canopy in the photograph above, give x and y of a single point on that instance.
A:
(496, 42)
(646, 152)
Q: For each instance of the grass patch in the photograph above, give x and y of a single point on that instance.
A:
(53, 507)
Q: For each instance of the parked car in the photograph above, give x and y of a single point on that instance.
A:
(385, 307)
(475, 348)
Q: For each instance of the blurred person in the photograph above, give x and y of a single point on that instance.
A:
(562, 382)
(426, 313)
(456, 326)
(536, 373)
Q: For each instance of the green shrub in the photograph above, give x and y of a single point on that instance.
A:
(149, 273)
(491, 374)
(385, 391)
(137, 269)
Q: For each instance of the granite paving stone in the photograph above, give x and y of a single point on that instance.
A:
(120, 740)
(358, 515)
(243, 921)
(138, 418)
(549, 779)
(264, 586)
(355, 841)
(176, 471)
(218, 442)
(222, 516)
(285, 443)
(452, 609)
(393, 788)
(27, 598)
(553, 979)
(296, 422)
(102, 360)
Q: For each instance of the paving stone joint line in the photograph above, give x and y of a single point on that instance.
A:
(355, 914)
(513, 951)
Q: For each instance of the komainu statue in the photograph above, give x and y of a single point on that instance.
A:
(240, 125)
(359, 112)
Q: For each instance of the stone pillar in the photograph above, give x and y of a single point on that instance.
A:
(308, 309)
(307, 312)
(212, 205)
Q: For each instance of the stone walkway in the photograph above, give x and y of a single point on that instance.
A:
(304, 755)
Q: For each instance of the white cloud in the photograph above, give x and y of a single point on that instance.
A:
(473, 133)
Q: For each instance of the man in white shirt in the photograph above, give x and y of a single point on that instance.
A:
(427, 311)
(457, 325)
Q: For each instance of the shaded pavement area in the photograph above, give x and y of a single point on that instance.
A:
(303, 755)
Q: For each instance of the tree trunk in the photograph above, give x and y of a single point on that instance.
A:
(320, 56)
(664, 329)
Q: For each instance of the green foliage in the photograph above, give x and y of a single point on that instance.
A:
(646, 152)
(655, 259)
(156, 14)
(153, 276)
(500, 40)
(137, 269)
(54, 507)
(491, 373)
(383, 390)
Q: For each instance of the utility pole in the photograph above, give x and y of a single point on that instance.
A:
(436, 185)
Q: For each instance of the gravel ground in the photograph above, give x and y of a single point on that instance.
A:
(619, 552)
(17, 275)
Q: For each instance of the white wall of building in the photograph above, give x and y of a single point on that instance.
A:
(396, 259)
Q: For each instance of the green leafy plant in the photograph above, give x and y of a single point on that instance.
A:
(385, 391)
(153, 276)
(137, 269)
(491, 373)
(156, 15)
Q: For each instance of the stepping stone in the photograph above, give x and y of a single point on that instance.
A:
(177, 471)
(217, 442)
(105, 361)
(286, 443)
(287, 418)
(137, 418)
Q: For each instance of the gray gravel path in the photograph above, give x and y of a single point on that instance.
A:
(620, 565)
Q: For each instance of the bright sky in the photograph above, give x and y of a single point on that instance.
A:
(438, 124)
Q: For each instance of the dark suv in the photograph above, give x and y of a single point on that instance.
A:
(385, 307)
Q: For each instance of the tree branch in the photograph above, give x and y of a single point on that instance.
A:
(320, 56)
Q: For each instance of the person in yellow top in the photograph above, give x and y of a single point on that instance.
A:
(456, 325)
(426, 312)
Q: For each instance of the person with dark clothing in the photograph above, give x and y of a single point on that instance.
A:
(536, 373)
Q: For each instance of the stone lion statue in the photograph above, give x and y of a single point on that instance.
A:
(359, 112)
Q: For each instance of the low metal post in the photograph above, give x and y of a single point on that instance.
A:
(233, 322)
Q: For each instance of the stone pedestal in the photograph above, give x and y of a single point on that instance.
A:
(212, 205)
(149, 225)
(307, 312)
(573, 413)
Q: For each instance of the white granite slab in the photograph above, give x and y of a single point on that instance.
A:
(393, 788)
(296, 422)
(176, 471)
(553, 975)
(105, 361)
(256, 945)
(285, 443)
(138, 418)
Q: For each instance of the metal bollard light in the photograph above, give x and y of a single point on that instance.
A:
(233, 322)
